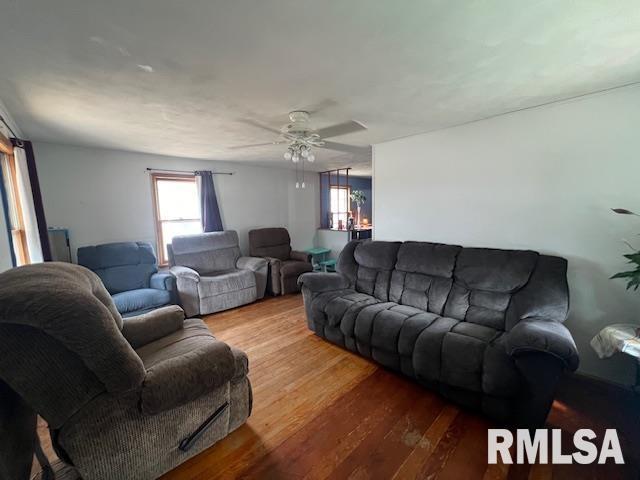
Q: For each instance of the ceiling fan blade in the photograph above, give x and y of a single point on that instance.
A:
(253, 145)
(343, 147)
(341, 129)
(254, 123)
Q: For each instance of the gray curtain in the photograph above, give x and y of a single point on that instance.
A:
(210, 212)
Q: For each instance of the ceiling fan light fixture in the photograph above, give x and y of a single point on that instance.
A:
(311, 157)
(288, 155)
(305, 152)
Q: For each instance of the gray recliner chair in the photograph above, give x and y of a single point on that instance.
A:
(285, 264)
(211, 274)
(125, 399)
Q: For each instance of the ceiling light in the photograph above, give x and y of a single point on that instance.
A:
(287, 155)
(311, 157)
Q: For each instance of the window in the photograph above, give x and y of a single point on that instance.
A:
(16, 219)
(339, 206)
(177, 209)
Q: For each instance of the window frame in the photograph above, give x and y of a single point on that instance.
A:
(177, 177)
(16, 215)
(348, 204)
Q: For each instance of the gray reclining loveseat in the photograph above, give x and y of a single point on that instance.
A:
(481, 326)
(211, 274)
(126, 400)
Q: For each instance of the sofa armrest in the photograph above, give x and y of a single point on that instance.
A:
(251, 263)
(241, 363)
(545, 336)
(163, 281)
(260, 267)
(300, 256)
(323, 282)
(273, 280)
(185, 273)
(184, 378)
(146, 328)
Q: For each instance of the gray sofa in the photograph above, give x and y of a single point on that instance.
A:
(121, 398)
(212, 276)
(481, 326)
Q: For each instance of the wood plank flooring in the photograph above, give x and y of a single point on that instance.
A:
(321, 412)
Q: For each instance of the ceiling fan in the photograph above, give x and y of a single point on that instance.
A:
(301, 137)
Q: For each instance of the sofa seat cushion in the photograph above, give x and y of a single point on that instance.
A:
(214, 284)
(337, 306)
(175, 344)
(141, 299)
(437, 349)
(294, 268)
(183, 366)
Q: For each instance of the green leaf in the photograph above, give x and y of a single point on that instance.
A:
(625, 274)
(633, 257)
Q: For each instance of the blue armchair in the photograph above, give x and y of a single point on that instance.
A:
(129, 270)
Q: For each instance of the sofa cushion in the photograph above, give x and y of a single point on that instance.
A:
(494, 270)
(375, 261)
(474, 358)
(225, 282)
(484, 282)
(206, 252)
(437, 349)
(340, 307)
(423, 275)
(141, 299)
(184, 365)
(121, 266)
(270, 242)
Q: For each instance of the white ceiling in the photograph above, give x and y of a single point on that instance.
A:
(181, 77)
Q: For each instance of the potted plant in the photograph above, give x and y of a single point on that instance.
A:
(632, 276)
(357, 197)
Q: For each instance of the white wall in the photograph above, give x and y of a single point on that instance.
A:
(543, 179)
(5, 248)
(304, 211)
(105, 195)
(333, 240)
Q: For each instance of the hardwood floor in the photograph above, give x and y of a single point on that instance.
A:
(323, 412)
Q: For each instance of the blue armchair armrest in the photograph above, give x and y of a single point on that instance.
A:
(163, 281)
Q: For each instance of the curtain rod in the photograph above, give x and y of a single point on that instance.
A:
(184, 171)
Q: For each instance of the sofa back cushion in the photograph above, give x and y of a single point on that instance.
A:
(423, 275)
(270, 242)
(484, 282)
(60, 339)
(206, 252)
(490, 287)
(121, 266)
(369, 265)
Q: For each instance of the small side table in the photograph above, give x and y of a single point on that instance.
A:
(318, 256)
(622, 338)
